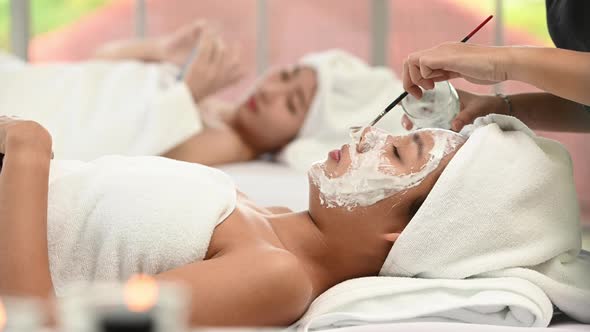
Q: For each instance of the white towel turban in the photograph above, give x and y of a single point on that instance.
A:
(506, 199)
(349, 93)
(505, 206)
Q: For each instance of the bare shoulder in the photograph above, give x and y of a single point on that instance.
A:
(281, 282)
(279, 209)
(270, 210)
(278, 269)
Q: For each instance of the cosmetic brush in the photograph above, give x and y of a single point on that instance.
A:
(187, 63)
(405, 93)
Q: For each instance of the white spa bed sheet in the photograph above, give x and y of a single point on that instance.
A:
(559, 326)
(270, 184)
(273, 184)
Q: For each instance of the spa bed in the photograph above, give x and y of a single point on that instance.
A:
(561, 325)
(272, 184)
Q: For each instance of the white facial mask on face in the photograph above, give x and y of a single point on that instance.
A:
(371, 177)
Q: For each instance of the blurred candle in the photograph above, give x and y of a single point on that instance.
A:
(140, 293)
(2, 316)
(139, 305)
(20, 314)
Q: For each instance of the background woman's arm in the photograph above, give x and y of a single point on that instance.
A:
(174, 47)
(212, 147)
(147, 50)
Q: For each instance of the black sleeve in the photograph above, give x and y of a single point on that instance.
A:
(568, 22)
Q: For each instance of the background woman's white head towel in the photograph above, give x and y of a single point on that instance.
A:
(349, 93)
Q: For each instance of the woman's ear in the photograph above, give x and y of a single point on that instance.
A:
(391, 237)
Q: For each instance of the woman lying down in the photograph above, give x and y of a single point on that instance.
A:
(69, 221)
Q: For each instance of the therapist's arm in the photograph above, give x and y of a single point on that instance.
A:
(24, 262)
(559, 72)
(544, 111)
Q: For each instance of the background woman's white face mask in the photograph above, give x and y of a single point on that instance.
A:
(381, 165)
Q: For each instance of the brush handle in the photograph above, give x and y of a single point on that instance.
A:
(403, 95)
(389, 107)
(187, 63)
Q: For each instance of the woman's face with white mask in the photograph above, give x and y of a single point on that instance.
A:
(378, 165)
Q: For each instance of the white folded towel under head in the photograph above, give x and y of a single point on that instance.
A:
(349, 93)
(380, 300)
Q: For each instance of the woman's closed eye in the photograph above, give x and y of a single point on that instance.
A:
(291, 106)
(284, 75)
(396, 153)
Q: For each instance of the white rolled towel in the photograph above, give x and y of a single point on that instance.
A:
(505, 206)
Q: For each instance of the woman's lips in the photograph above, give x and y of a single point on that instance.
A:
(335, 154)
(252, 104)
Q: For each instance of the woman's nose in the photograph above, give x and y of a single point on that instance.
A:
(363, 145)
(270, 92)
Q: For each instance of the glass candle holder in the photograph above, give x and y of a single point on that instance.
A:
(21, 314)
(111, 307)
(436, 109)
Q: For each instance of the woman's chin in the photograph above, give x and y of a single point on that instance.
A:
(326, 169)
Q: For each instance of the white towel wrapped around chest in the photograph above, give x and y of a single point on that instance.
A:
(117, 216)
(99, 108)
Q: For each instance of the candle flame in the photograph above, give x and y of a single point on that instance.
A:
(2, 316)
(140, 293)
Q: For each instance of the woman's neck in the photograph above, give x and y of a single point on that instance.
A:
(219, 115)
(256, 145)
(329, 255)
